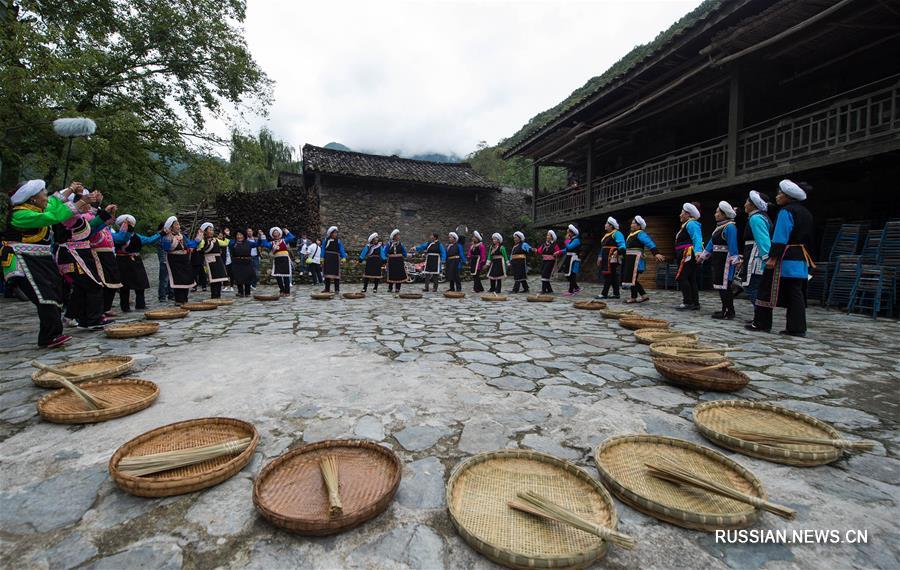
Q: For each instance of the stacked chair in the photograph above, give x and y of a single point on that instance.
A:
(875, 289)
(843, 282)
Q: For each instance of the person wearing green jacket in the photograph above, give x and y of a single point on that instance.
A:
(497, 260)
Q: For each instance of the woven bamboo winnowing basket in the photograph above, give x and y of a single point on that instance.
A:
(322, 296)
(357, 295)
(480, 487)
(98, 368)
(622, 463)
(410, 295)
(201, 306)
(184, 435)
(266, 297)
(125, 396)
(617, 314)
(649, 336)
(638, 323)
(717, 420)
(696, 376)
(493, 297)
(166, 313)
(454, 294)
(664, 349)
(130, 330)
(220, 302)
(591, 305)
(540, 298)
(290, 491)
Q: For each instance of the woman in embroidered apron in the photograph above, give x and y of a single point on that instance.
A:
(787, 269)
(435, 256)
(497, 260)
(131, 266)
(26, 255)
(80, 268)
(213, 256)
(242, 270)
(757, 242)
(549, 252)
(612, 249)
(635, 244)
(371, 257)
(518, 262)
(456, 257)
(395, 255)
(688, 244)
(571, 262)
(103, 249)
(335, 254)
(723, 253)
(282, 265)
(178, 259)
(477, 260)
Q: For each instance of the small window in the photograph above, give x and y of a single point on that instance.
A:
(408, 214)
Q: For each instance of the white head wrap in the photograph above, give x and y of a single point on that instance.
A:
(691, 210)
(27, 191)
(758, 201)
(613, 222)
(205, 225)
(169, 221)
(552, 233)
(74, 196)
(519, 235)
(331, 229)
(274, 229)
(497, 236)
(395, 233)
(477, 235)
(573, 229)
(727, 209)
(792, 190)
(454, 235)
(126, 218)
(641, 222)
(371, 237)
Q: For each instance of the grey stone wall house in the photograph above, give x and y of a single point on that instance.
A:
(361, 193)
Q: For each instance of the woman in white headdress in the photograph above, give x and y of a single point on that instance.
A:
(456, 258)
(394, 255)
(549, 252)
(633, 266)
(213, 250)
(757, 242)
(497, 260)
(572, 262)
(178, 259)
(723, 253)
(477, 260)
(370, 255)
(335, 254)
(688, 245)
(282, 267)
(518, 262)
(131, 266)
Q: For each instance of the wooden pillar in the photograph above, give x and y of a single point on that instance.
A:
(589, 170)
(735, 119)
(535, 189)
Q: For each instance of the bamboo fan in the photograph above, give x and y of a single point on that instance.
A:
(537, 505)
(92, 402)
(782, 439)
(668, 470)
(138, 465)
(329, 468)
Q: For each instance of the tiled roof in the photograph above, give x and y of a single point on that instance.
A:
(327, 161)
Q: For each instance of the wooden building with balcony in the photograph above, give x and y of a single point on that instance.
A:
(735, 96)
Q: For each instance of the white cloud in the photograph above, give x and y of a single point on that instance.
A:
(435, 76)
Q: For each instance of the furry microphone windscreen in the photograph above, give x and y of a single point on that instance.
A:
(77, 127)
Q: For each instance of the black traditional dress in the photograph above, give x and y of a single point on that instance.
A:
(609, 252)
(104, 251)
(74, 257)
(373, 262)
(433, 259)
(454, 262)
(752, 263)
(333, 254)
(497, 267)
(131, 266)
(179, 263)
(518, 262)
(790, 250)
(721, 259)
(634, 263)
(396, 265)
(212, 257)
(241, 263)
(26, 253)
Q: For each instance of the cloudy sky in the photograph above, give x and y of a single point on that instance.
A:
(435, 76)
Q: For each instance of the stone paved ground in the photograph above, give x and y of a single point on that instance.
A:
(436, 380)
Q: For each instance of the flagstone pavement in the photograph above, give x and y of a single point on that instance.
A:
(436, 380)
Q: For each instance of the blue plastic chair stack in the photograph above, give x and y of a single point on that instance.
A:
(843, 282)
(829, 233)
(889, 252)
(817, 288)
(871, 247)
(846, 241)
(873, 291)
(665, 275)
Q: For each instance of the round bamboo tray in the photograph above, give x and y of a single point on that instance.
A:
(622, 461)
(183, 435)
(540, 298)
(220, 302)
(201, 306)
(692, 376)
(266, 297)
(663, 349)
(98, 368)
(637, 323)
(649, 336)
(290, 491)
(716, 421)
(130, 330)
(454, 294)
(354, 295)
(410, 295)
(322, 296)
(591, 305)
(480, 487)
(493, 297)
(166, 313)
(125, 395)
(617, 314)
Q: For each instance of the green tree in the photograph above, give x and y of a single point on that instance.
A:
(516, 172)
(257, 160)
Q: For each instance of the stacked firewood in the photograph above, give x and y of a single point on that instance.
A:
(288, 207)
